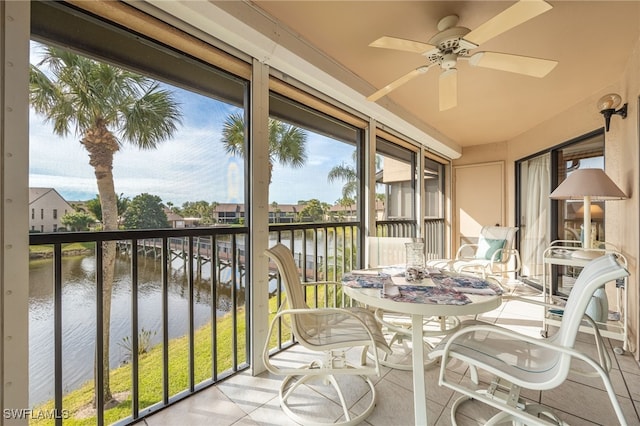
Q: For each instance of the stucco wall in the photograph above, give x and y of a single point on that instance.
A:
(623, 151)
(622, 164)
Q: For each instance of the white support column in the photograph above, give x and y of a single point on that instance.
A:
(369, 196)
(14, 201)
(420, 195)
(369, 176)
(259, 212)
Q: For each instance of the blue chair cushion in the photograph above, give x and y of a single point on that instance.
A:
(487, 247)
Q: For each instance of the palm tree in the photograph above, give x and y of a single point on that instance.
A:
(349, 175)
(104, 106)
(287, 143)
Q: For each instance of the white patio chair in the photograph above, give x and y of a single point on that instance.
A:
(390, 251)
(520, 361)
(329, 330)
(492, 254)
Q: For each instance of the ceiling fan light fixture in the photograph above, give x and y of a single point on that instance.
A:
(607, 106)
(449, 61)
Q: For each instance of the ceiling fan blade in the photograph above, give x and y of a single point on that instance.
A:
(533, 67)
(448, 89)
(401, 44)
(515, 15)
(397, 83)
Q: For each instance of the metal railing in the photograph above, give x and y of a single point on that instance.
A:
(396, 228)
(433, 234)
(167, 250)
(434, 238)
(323, 251)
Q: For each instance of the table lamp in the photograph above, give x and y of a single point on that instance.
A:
(587, 185)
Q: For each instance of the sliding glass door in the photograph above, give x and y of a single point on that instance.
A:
(542, 220)
(535, 207)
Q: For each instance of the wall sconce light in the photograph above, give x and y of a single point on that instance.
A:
(607, 106)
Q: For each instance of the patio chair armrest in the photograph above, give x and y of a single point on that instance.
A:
(489, 328)
(309, 285)
(497, 255)
(317, 283)
(464, 248)
(518, 336)
(319, 312)
(603, 355)
(502, 374)
(314, 311)
(533, 302)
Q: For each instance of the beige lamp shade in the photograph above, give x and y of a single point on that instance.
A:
(592, 183)
(587, 185)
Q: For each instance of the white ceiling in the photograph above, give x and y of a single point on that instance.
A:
(592, 41)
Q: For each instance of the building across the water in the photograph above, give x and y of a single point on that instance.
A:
(46, 208)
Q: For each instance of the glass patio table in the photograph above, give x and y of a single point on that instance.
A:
(437, 294)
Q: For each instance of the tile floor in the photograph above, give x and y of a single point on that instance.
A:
(246, 400)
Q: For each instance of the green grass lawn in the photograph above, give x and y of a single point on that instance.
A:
(77, 404)
(72, 247)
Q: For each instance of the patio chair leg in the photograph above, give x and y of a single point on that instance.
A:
(290, 385)
(509, 394)
(343, 402)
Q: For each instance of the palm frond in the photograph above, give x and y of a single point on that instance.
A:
(233, 134)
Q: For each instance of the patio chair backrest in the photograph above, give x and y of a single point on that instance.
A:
(388, 251)
(515, 358)
(318, 328)
(504, 234)
(555, 365)
(288, 270)
(532, 366)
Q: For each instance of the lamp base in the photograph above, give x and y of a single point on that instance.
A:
(586, 254)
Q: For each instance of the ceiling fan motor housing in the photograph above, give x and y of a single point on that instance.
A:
(450, 44)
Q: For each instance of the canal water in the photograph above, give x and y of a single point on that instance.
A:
(79, 314)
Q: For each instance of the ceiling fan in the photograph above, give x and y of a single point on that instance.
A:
(453, 43)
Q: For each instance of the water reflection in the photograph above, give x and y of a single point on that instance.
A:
(79, 313)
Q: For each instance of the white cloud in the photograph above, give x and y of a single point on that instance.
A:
(191, 166)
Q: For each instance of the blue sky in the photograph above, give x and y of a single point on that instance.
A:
(192, 166)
